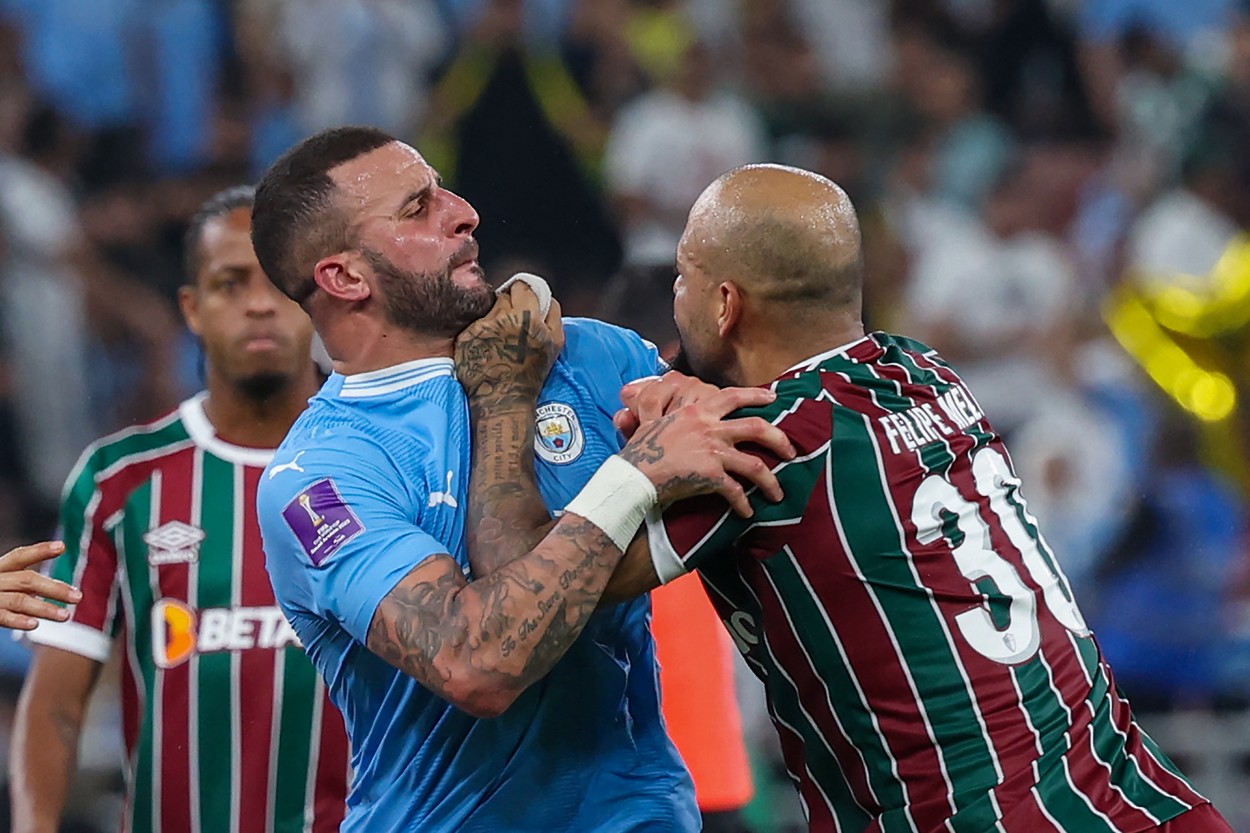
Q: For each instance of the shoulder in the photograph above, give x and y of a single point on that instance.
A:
(115, 452)
(600, 348)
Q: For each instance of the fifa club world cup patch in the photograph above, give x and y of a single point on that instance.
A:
(558, 436)
(321, 520)
(173, 543)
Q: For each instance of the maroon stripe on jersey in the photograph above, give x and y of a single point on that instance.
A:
(100, 570)
(820, 816)
(255, 675)
(174, 581)
(813, 691)
(333, 765)
(132, 711)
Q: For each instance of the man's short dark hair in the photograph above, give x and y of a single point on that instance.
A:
(295, 221)
(218, 205)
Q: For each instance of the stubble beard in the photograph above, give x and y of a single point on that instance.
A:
(430, 303)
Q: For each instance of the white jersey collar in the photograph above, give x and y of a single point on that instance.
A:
(819, 358)
(205, 436)
(396, 377)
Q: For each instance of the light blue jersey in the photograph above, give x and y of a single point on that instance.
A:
(371, 480)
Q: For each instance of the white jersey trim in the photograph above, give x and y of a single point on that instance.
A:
(811, 362)
(205, 436)
(74, 637)
(395, 378)
(664, 558)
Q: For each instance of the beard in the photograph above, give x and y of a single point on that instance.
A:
(262, 386)
(682, 364)
(430, 302)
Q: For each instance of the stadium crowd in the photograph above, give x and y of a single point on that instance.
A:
(1055, 194)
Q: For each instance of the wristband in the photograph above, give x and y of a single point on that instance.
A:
(616, 500)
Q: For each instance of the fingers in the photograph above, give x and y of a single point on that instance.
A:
(732, 491)
(755, 471)
(761, 432)
(523, 298)
(17, 621)
(626, 421)
(23, 558)
(728, 400)
(23, 604)
(555, 323)
(34, 584)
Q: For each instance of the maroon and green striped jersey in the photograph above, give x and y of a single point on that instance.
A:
(227, 726)
(926, 665)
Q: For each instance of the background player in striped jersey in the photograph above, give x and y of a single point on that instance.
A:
(926, 663)
(21, 588)
(421, 640)
(225, 722)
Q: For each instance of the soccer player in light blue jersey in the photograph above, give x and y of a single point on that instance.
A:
(481, 690)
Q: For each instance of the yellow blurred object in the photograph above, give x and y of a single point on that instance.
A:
(1193, 344)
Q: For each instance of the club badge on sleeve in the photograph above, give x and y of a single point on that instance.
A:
(558, 436)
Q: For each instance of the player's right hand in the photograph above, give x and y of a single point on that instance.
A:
(21, 588)
(504, 357)
(692, 450)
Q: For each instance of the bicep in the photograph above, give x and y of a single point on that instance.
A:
(418, 624)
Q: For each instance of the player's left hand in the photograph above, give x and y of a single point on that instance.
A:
(21, 587)
(506, 355)
(654, 396)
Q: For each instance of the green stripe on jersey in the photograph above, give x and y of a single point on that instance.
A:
(128, 539)
(868, 519)
(816, 634)
(298, 679)
(216, 714)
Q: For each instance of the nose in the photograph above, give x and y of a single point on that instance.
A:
(262, 296)
(462, 216)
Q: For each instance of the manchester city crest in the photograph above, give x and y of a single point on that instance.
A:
(558, 436)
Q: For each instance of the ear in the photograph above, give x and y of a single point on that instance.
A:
(189, 303)
(342, 276)
(729, 313)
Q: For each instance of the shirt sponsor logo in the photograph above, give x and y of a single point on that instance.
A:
(173, 543)
(558, 436)
(321, 520)
(178, 632)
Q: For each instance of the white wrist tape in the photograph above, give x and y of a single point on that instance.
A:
(540, 287)
(616, 500)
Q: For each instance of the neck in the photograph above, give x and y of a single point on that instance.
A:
(361, 345)
(763, 356)
(243, 420)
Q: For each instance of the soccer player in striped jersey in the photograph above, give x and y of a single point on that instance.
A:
(227, 726)
(926, 664)
(482, 690)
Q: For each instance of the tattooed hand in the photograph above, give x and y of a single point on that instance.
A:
(691, 450)
(504, 357)
(651, 398)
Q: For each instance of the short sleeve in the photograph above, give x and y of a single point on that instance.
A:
(338, 531)
(692, 532)
(615, 352)
(90, 562)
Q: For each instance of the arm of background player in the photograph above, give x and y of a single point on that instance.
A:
(44, 754)
(480, 644)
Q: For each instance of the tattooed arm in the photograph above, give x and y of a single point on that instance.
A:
(480, 643)
(502, 361)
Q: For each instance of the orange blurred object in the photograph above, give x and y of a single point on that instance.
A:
(699, 700)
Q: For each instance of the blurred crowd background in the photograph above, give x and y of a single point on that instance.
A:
(1054, 193)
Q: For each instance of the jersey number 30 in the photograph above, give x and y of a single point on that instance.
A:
(938, 503)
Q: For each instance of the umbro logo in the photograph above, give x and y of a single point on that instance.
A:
(173, 543)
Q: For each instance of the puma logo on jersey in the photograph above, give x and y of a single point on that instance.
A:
(291, 466)
(446, 497)
(178, 631)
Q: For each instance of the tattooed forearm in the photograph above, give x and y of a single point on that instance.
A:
(480, 644)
